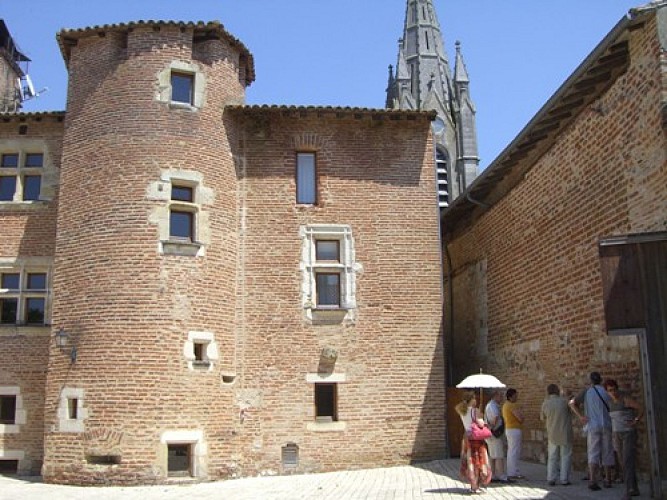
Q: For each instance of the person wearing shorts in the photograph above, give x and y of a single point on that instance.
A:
(595, 401)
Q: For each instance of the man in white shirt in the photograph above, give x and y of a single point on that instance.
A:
(496, 445)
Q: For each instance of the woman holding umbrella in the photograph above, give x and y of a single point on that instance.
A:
(474, 458)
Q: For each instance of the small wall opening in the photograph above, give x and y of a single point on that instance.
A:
(179, 460)
(103, 459)
(325, 403)
(8, 467)
(72, 408)
(290, 455)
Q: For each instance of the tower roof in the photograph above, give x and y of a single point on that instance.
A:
(67, 38)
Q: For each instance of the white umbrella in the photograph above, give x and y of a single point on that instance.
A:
(480, 381)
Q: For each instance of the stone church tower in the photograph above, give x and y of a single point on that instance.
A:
(423, 80)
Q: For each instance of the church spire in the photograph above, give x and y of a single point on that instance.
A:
(421, 55)
(423, 80)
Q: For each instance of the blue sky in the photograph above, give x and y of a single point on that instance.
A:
(336, 52)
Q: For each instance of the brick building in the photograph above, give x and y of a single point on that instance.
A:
(557, 256)
(195, 287)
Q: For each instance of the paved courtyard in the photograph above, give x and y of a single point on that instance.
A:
(432, 480)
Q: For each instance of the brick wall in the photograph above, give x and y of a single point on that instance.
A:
(605, 175)
(131, 310)
(28, 231)
(376, 176)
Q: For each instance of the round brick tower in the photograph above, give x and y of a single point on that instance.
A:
(144, 282)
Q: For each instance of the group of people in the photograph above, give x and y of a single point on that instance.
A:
(609, 419)
(483, 460)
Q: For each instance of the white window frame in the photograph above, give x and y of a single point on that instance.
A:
(164, 89)
(160, 191)
(326, 426)
(20, 415)
(23, 268)
(346, 267)
(210, 353)
(65, 423)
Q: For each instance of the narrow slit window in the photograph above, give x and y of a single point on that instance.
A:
(306, 179)
(72, 408)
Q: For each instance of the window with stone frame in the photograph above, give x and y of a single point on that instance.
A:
(23, 296)
(328, 265)
(21, 176)
(12, 413)
(182, 213)
(7, 408)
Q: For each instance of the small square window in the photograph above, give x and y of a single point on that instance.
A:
(179, 461)
(10, 281)
(182, 87)
(32, 184)
(72, 408)
(328, 290)
(34, 311)
(325, 402)
(8, 409)
(34, 160)
(306, 179)
(181, 225)
(36, 281)
(7, 187)
(327, 250)
(8, 311)
(182, 193)
(10, 160)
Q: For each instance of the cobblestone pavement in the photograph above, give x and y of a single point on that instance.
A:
(432, 480)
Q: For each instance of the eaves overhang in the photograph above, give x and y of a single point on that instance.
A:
(596, 74)
(67, 38)
(36, 116)
(331, 112)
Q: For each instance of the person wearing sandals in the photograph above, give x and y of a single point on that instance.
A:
(625, 414)
(558, 418)
(597, 422)
(474, 458)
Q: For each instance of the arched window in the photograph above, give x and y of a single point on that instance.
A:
(441, 167)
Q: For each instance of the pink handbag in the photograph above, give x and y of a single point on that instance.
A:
(477, 432)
